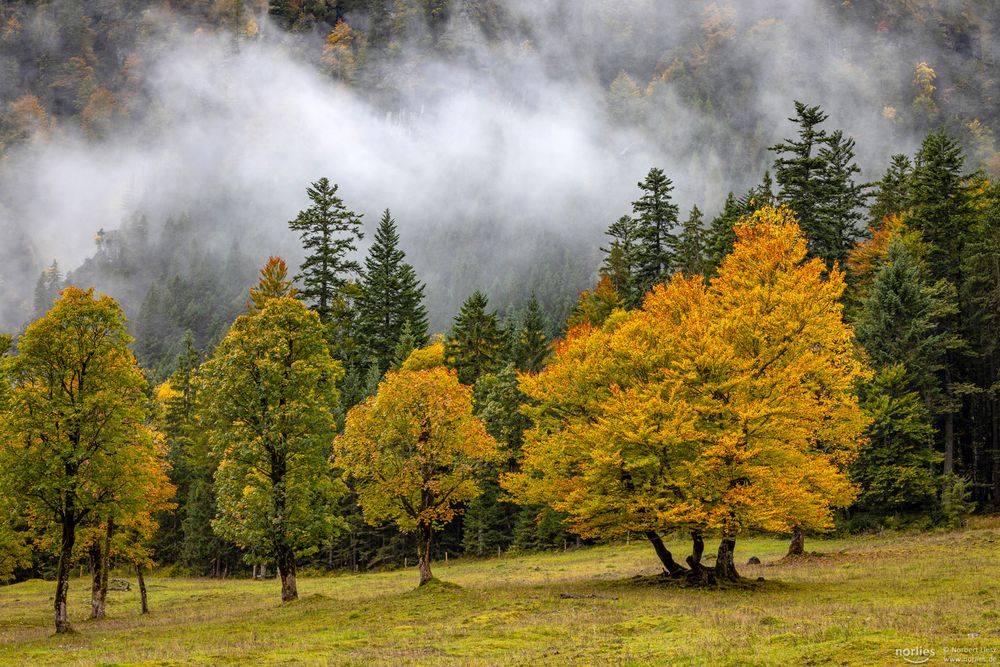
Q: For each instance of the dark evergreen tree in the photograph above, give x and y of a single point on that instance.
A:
(532, 343)
(816, 175)
(656, 219)
(391, 298)
(902, 322)
(941, 203)
(475, 345)
(721, 236)
(892, 193)
(840, 211)
(329, 232)
(895, 470)
(691, 246)
(621, 264)
(406, 344)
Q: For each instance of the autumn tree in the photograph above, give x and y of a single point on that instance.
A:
(273, 283)
(714, 409)
(268, 395)
(74, 448)
(414, 451)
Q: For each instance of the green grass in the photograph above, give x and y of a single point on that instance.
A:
(858, 603)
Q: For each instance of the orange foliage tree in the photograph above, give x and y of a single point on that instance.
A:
(718, 408)
(415, 451)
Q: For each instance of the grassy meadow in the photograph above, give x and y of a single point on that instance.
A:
(853, 602)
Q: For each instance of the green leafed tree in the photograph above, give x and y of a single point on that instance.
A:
(268, 396)
(74, 447)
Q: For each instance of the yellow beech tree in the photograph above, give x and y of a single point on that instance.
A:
(716, 408)
(415, 450)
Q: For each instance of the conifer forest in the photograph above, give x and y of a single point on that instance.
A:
(296, 292)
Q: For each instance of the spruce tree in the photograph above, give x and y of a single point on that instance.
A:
(721, 236)
(941, 203)
(391, 298)
(895, 470)
(532, 343)
(816, 177)
(328, 231)
(840, 211)
(892, 193)
(691, 246)
(656, 217)
(621, 265)
(474, 346)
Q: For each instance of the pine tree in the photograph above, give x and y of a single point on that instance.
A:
(691, 246)
(721, 236)
(406, 344)
(799, 166)
(474, 346)
(329, 232)
(656, 218)
(391, 297)
(532, 343)
(892, 193)
(621, 266)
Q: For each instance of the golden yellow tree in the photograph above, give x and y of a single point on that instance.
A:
(716, 409)
(415, 451)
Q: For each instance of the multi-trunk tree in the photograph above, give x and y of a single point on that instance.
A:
(75, 450)
(715, 409)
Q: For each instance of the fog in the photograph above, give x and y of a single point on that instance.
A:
(488, 159)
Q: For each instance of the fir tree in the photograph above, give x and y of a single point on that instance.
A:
(656, 218)
(691, 246)
(406, 344)
(474, 346)
(721, 236)
(329, 232)
(391, 297)
(840, 209)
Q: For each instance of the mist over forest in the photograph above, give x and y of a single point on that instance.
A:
(504, 136)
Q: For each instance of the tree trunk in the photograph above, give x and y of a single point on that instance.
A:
(97, 564)
(424, 532)
(697, 550)
(669, 565)
(100, 554)
(725, 565)
(286, 568)
(62, 575)
(949, 443)
(143, 600)
(797, 547)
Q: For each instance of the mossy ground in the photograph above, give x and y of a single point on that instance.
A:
(857, 603)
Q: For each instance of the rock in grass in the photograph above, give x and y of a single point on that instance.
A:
(753, 561)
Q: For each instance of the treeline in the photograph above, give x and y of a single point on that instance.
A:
(822, 351)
